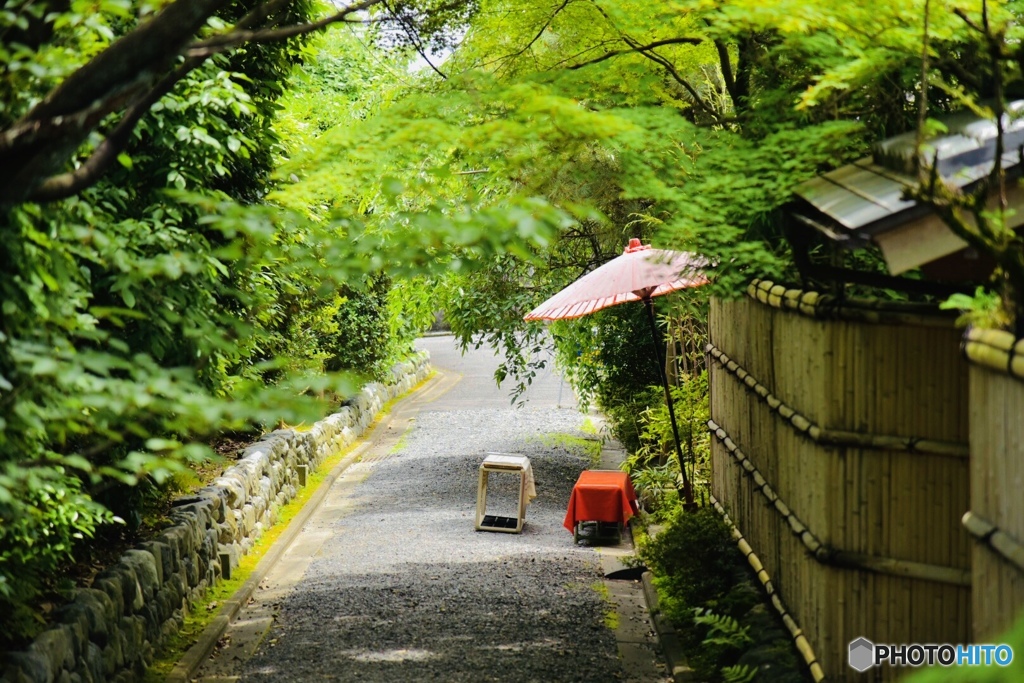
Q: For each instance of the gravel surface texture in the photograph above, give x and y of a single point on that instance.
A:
(404, 589)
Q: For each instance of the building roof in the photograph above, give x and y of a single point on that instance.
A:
(864, 201)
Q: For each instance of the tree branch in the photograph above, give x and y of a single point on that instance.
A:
(211, 46)
(64, 185)
(412, 37)
(45, 138)
(954, 68)
(27, 133)
(132, 62)
(565, 3)
(134, 57)
(583, 52)
(36, 125)
(725, 63)
(668, 66)
(636, 47)
(68, 184)
(967, 20)
(922, 111)
(260, 13)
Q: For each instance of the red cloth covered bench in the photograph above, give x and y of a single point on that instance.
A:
(601, 496)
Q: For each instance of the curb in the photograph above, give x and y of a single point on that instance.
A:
(194, 657)
(670, 647)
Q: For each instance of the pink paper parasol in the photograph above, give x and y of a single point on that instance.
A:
(639, 274)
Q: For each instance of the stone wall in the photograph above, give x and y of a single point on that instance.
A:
(111, 630)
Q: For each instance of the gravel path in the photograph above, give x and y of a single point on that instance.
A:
(403, 589)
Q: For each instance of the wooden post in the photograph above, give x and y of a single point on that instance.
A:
(687, 492)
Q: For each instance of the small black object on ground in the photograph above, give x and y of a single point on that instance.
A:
(499, 522)
(598, 533)
(627, 574)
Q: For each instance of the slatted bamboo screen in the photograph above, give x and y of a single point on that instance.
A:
(840, 453)
(996, 518)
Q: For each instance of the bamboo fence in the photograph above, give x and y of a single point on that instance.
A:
(803, 646)
(840, 451)
(996, 517)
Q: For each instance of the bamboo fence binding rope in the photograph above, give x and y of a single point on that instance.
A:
(835, 437)
(1005, 545)
(996, 350)
(800, 530)
(836, 557)
(803, 646)
(817, 305)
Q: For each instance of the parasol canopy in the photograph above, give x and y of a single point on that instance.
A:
(639, 273)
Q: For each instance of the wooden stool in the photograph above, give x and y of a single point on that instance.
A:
(509, 463)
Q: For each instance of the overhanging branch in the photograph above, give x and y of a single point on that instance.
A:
(126, 74)
(678, 78)
(565, 3)
(212, 46)
(134, 57)
(411, 33)
(68, 184)
(636, 47)
(29, 132)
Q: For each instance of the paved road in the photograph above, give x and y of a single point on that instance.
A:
(478, 390)
(389, 582)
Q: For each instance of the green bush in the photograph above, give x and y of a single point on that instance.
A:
(707, 589)
(43, 514)
(654, 466)
(696, 564)
(127, 316)
(361, 342)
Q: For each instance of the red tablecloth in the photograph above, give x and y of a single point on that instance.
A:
(601, 496)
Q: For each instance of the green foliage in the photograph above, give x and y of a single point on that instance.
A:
(739, 673)
(725, 635)
(1014, 637)
(138, 319)
(722, 630)
(729, 207)
(361, 340)
(983, 309)
(45, 514)
(707, 590)
(657, 485)
(653, 465)
(619, 147)
(487, 307)
(610, 358)
(690, 580)
(412, 304)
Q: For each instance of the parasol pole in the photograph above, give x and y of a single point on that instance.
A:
(687, 492)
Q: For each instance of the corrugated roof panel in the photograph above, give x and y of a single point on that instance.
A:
(969, 174)
(862, 180)
(849, 209)
(869, 190)
(969, 142)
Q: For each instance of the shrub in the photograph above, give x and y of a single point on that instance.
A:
(696, 564)
(361, 342)
(707, 590)
(43, 514)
